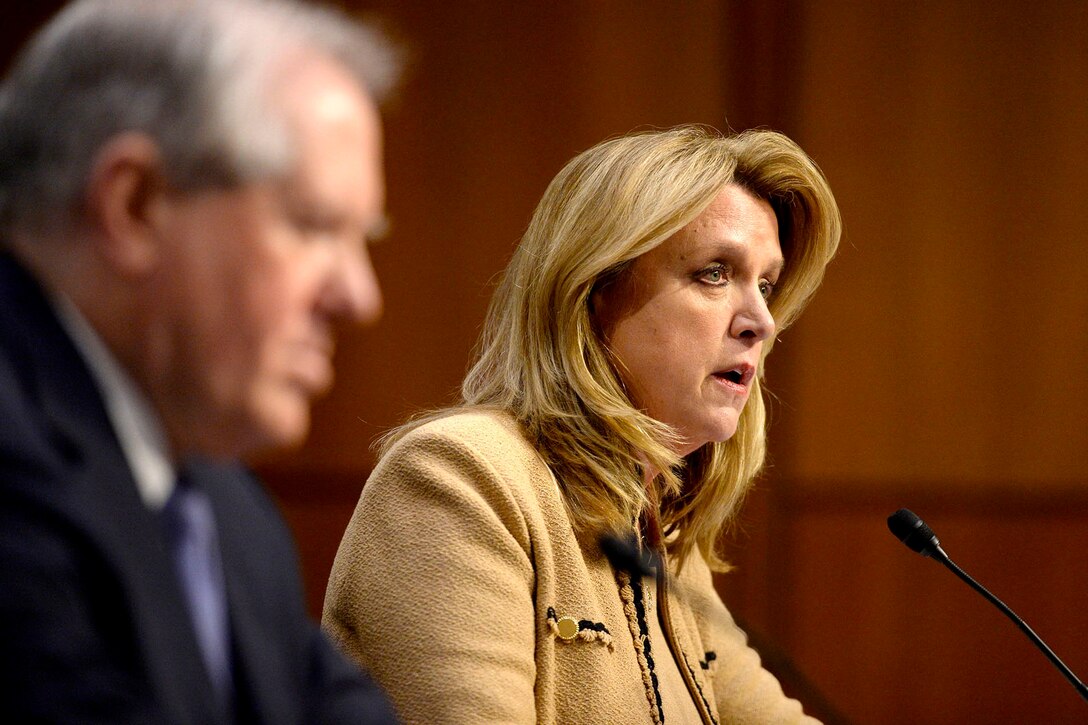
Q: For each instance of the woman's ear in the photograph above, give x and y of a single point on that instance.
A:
(597, 307)
(126, 186)
(608, 299)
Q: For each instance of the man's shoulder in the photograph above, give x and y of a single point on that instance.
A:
(43, 381)
(247, 517)
(22, 309)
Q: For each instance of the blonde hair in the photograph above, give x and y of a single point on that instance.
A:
(541, 358)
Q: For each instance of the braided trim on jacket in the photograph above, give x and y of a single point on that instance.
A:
(634, 607)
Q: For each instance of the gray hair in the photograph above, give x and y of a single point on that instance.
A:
(192, 74)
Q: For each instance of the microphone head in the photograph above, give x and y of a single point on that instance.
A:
(625, 554)
(913, 532)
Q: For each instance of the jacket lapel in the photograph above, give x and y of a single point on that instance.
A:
(134, 538)
(265, 684)
(94, 488)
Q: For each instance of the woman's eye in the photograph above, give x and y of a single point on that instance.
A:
(714, 275)
(766, 289)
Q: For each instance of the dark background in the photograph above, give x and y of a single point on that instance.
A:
(942, 366)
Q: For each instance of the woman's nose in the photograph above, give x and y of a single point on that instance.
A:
(753, 320)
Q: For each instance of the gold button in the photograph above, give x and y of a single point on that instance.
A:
(568, 628)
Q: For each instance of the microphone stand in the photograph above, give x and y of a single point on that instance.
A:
(914, 532)
(942, 557)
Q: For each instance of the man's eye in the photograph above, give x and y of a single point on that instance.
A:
(318, 226)
(313, 223)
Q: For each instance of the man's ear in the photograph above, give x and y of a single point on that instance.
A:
(124, 194)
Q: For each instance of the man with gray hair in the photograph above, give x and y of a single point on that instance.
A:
(187, 188)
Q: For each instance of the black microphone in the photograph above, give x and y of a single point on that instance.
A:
(624, 554)
(913, 532)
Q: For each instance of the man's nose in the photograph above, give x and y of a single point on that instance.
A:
(353, 292)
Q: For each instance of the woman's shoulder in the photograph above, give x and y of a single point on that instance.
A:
(481, 437)
(478, 428)
(467, 421)
(474, 461)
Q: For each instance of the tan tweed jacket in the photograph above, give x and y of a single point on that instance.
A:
(462, 588)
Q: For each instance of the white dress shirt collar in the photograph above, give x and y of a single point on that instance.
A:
(138, 428)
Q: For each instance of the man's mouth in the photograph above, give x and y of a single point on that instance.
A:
(313, 368)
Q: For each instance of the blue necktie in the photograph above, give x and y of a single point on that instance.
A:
(190, 524)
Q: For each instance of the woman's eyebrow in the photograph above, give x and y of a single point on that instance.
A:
(735, 248)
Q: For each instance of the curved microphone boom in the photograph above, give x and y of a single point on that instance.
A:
(914, 532)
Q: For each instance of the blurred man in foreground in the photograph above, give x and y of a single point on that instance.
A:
(186, 193)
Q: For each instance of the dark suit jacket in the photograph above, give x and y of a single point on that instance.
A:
(93, 624)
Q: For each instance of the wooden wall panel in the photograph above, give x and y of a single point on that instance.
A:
(950, 338)
(892, 637)
(18, 21)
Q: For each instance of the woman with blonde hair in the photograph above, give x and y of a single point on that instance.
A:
(542, 552)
